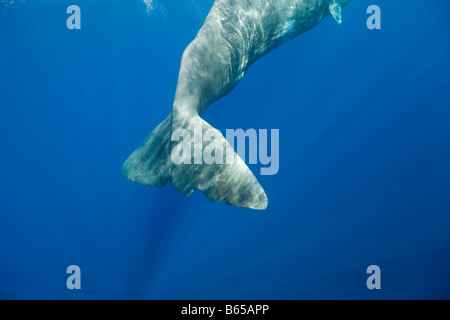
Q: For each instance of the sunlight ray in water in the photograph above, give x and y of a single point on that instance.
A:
(149, 4)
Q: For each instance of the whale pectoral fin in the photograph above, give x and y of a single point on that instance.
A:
(218, 180)
(150, 162)
(336, 10)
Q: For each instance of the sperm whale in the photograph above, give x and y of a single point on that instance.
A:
(235, 34)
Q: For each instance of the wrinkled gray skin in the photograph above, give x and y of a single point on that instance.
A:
(235, 34)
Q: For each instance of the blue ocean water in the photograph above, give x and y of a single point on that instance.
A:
(364, 176)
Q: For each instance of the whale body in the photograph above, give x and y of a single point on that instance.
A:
(235, 34)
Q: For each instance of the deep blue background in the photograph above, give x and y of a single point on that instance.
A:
(364, 176)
